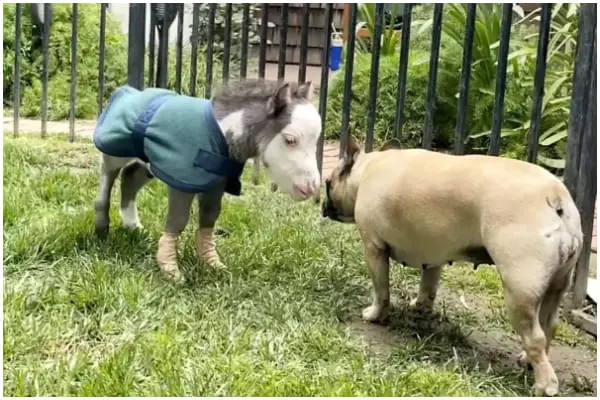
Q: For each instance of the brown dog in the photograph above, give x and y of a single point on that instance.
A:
(424, 208)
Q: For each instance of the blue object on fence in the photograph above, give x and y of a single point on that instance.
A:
(178, 135)
(335, 56)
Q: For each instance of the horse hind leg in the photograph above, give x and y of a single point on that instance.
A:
(133, 178)
(109, 170)
(256, 171)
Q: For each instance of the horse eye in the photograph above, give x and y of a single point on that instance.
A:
(290, 140)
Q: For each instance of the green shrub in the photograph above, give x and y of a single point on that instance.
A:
(115, 62)
(518, 95)
(414, 110)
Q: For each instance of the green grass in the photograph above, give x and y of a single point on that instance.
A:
(89, 318)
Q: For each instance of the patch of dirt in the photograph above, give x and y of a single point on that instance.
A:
(443, 339)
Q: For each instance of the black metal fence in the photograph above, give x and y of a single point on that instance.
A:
(580, 171)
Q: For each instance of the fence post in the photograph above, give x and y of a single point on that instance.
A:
(101, 52)
(17, 72)
(580, 170)
(73, 89)
(433, 68)
(579, 98)
(137, 40)
(500, 90)
(351, 28)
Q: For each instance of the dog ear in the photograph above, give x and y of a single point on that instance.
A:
(350, 155)
(280, 100)
(393, 143)
(306, 90)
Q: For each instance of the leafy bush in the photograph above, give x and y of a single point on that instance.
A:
(414, 110)
(115, 62)
(416, 94)
(59, 60)
(519, 90)
(520, 78)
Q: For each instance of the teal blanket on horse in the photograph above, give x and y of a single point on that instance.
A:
(177, 135)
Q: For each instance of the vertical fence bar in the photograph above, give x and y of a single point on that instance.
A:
(580, 94)
(227, 41)
(17, 71)
(348, 79)
(373, 82)
(262, 51)
(402, 70)
(433, 67)
(304, 43)
(72, 93)
(163, 50)
(465, 80)
(538, 85)
(324, 82)
(282, 42)
(586, 191)
(209, 49)
(45, 57)
(498, 113)
(152, 46)
(179, 48)
(244, 47)
(101, 54)
(194, 56)
(135, 57)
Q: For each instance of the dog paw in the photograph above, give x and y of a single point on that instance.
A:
(523, 360)
(548, 388)
(373, 313)
(421, 304)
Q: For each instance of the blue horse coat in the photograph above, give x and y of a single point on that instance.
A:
(177, 135)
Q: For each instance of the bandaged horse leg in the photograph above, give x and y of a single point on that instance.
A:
(177, 218)
(133, 178)
(210, 208)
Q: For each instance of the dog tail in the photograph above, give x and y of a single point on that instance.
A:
(571, 242)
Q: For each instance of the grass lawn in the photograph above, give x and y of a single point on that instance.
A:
(89, 318)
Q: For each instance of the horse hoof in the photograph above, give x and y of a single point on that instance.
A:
(102, 232)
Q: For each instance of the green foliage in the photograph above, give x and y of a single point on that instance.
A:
(60, 63)
(414, 110)
(520, 77)
(519, 84)
(389, 38)
(87, 89)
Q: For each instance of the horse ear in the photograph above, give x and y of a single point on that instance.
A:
(306, 90)
(393, 143)
(280, 100)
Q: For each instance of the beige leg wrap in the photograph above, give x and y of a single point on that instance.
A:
(167, 256)
(205, 248)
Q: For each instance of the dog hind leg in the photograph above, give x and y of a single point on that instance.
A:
(430, 282)
(523, 299)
